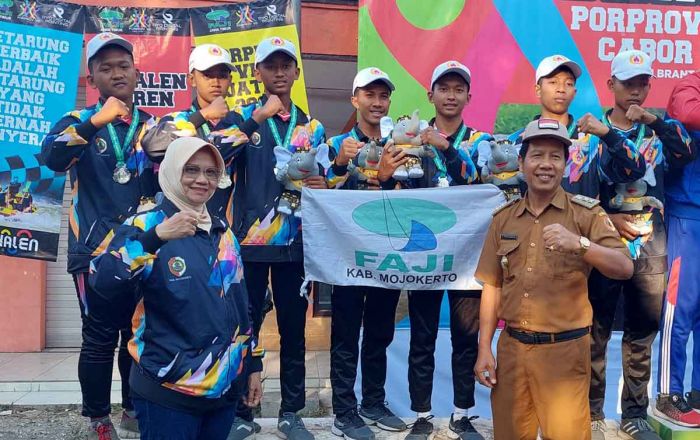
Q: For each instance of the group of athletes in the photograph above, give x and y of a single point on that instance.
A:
(175, 242)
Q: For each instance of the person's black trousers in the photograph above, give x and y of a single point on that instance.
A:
(643, 301)
(103, 322)
(424, 313)
(373, 309)
(290, 307)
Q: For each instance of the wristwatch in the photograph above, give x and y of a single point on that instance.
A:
(585, 245)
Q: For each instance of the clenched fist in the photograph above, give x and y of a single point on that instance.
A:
(315, 182)
(272, 106)
(183, 224)
(624, 225)
(485, 368)
(348, 150)
(112, 109)
(431, 136)
(217, 109)
(392, 158)
(589, 124)
(637, 114)
(558, 238)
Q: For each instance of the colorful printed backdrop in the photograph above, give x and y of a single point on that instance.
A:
(502, 41)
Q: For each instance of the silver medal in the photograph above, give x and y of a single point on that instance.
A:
(224, 181)
(121, 175)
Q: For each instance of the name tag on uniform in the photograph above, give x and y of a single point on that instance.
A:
(507, 236)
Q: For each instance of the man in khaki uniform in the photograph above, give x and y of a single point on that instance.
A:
(534, 266)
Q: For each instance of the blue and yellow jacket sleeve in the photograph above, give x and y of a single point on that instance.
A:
(337, 175)
(248, 124)
(67, 140)
(678, 146)
(462, 162)
(129, 256)
(229, 139)
(619, 162)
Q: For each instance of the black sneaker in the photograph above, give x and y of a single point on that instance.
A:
(638, 429)
(290, 426)
(382, 416)
(463, 429)
(243, 429)
(421, 429)
(352, 427)
(693, 399)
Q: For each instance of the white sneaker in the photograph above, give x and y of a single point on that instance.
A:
(598, 430)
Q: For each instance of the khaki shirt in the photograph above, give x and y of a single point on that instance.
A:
(543, 290)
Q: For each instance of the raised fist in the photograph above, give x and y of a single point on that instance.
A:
(182, 224)
(589, 124)
(216, 109)
(112, 109)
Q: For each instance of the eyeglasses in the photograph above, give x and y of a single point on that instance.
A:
(193, 172)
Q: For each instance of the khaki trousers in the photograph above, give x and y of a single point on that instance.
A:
(542, 387)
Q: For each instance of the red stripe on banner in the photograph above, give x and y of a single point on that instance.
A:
(492, 75)
(163, 62)
(673, 278)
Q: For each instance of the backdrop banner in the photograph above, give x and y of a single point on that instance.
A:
(40, 49)
(162, 43)
(239, 28)
(503, 41)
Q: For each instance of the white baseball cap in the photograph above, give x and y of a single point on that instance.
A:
(99, 41)
(369, 75)
(205, 56)
(451, 67)
(631, 63)
(552, 63)
(268, 46)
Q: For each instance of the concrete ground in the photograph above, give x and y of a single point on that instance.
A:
(40, 398)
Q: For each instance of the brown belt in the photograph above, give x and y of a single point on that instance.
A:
(536, 338)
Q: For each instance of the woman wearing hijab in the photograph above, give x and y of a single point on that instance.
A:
(192, 333)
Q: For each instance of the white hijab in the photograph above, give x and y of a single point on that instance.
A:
(179, 152)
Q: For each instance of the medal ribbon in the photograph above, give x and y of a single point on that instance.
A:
(290, 128)
(439, 163)
(116, 144)
(640, 133)
(205, 126)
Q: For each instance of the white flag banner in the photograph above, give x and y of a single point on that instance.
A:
(418, 239)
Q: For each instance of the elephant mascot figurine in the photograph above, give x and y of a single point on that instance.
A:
(292, 168)
(631, 198)
(367, 165)
(502, 169)
(406, 136)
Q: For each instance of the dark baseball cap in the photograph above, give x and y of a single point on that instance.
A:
(546, 128)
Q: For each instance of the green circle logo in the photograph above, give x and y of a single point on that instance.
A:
(417, 220)
(430, 15)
